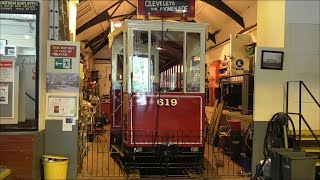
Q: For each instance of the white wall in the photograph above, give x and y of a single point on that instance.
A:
(44, 36)
(306, 12)
(302, 50)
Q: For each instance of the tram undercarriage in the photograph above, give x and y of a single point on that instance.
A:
(163, 160)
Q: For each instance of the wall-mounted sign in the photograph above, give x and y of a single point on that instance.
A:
(10, 51)
(6, 71)
(62, 63)
(239, 64)
(19, 7)
(180, 8)
(62, 106)
(63, 57)
(63, 51)
(4, 93)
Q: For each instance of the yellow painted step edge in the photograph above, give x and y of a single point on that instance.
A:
(311, 149)
(317, 163)
(5, 173)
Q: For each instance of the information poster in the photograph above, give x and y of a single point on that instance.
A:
(6, 71)
(7, 90)
(62, 106)
(4, 93)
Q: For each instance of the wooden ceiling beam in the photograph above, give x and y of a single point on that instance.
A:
(103, 16)
(212, 36)
(105, 33)
(221, 6)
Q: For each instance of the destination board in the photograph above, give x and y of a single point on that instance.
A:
(174, 8)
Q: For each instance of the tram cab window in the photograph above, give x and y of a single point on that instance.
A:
(168, 49)
(193, 62)
(157, 62)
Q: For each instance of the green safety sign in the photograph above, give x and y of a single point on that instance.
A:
(62, 63)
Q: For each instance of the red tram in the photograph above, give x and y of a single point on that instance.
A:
(158, 86)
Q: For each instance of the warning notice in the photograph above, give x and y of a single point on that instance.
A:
(6, 71)
(63, 51)
(19, 7)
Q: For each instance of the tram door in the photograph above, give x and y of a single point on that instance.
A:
(117, 89)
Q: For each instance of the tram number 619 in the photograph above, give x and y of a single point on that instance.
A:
(167, 102)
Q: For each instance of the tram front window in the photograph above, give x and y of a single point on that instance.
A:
(162, 69)
(168, 49)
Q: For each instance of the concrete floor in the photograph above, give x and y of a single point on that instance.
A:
(99, 165)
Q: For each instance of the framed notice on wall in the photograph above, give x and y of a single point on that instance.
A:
(62, 106)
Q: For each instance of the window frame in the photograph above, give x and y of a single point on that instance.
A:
(35, 127)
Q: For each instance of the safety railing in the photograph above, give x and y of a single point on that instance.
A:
(301, 117)
(165, 156)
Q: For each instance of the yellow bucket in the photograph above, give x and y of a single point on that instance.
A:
(55, 167)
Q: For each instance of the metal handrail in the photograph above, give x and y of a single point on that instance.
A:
(304, 120)
(29, 96)
(301, 117)
(310, 94)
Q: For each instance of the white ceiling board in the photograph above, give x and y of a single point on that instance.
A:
(124, 8)
(239, 6)
(85, 12)
(212, 16)
(101, 5)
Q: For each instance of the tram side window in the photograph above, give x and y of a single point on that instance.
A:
(119, 67)
(140, 63)
(193, 62)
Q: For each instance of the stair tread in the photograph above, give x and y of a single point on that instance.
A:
(309, 138)
(311, 149)
(307, 132)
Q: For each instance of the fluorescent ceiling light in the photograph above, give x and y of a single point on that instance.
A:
(117, 25)
(27, 37)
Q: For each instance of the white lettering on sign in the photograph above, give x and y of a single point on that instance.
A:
(62, 51)
(173, 6)
(158, 3)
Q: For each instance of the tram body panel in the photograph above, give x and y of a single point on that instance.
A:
(179, 121)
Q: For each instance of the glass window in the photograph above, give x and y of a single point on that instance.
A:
(167, 61)
(19, 44)
(140, 62)
(119, 67)
(193, 62)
